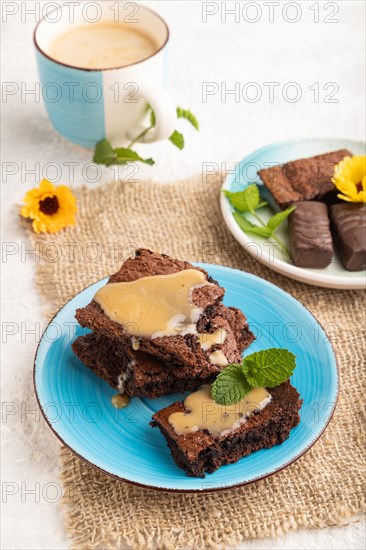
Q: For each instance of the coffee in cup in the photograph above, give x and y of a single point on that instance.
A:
(103, 46)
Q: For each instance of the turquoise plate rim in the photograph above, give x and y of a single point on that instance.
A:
(334, 397)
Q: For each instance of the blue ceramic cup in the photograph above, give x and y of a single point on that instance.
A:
(87, 105)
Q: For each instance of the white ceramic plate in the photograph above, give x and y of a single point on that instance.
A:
(266, 251)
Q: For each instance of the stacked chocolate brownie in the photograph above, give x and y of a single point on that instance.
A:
(307, 185)
(152, 367)
(160, 365)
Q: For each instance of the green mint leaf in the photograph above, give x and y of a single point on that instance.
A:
(104, 153)
(230, 385)
(124, 155)
(261, 204)
(188, 115)
(279, 218)
(249, 227)
(246, 200)
(177, 139)
(268, 368)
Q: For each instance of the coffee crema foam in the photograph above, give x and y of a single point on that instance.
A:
(102, 46)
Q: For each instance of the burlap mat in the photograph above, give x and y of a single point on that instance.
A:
(323, 488)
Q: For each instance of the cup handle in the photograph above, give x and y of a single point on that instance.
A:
(164, 109)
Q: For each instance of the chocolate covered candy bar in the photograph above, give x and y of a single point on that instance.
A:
(349, 230)
(310, 237)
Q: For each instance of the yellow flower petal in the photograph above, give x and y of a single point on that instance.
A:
(46, 186)
(344, 198)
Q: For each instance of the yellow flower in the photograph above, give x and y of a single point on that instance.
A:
(51, 208)
(350, 179)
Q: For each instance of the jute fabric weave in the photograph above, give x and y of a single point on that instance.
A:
(325, 487)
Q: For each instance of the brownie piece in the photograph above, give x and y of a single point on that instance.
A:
(280, 188)
(303, 179)
(182, 349)
(138, 373)
(199, 452)
(310, 237)
(239, 325)
(133, 373)
(349, 229)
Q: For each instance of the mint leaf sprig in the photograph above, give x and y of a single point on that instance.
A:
(267, 368)
(249, 200)
(105, 154)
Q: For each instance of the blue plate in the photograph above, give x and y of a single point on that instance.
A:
(77, 404)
